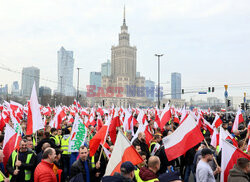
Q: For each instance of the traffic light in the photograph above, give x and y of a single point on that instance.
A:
(212, 89)
(182, 91)
(247, 106)
(228, 103)
(103, 103)
(209, 89)
(242, 106)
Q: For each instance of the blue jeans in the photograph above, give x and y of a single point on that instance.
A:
(188, 170)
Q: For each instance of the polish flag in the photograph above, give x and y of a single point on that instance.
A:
(157, 118)
(99, 123)
(11, 140)
(34, 121)
(107, 152)
(207, 126)
(165, 116)
(184, 114)
(100, 110)
(123, 151)
(113, 125)
(224, 134)
(186, 136)
(59, 117)
(217, 121)
(127, 120)
(215, 139)
(229, 157)
(238, 119)
(98, 138)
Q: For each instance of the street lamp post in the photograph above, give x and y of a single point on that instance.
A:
(77, 93)
(159, 55)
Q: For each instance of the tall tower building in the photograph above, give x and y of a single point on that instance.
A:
(29, 76)
(175, 85)
(65, 72)
(123, 63)
(106, 69)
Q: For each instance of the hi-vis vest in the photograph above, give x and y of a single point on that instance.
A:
(54, 138)
(1, 177)
(93, 161)
(138, 178)
(65, 145)
(26, 172)
(58, 139)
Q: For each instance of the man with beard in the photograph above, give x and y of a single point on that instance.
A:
(141, 140)
(204, 172)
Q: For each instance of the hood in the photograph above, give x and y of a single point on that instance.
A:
(146, 174)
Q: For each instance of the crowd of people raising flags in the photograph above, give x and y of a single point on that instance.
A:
(76, 143)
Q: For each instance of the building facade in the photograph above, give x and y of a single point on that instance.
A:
(44, 91)
(150, 85)
(15, 89)
(106, 68)
(65, 72)
(95, 79)
(29, 76)
(175, 85)
(123, 64)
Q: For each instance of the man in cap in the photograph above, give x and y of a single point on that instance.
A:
(126, 175)
(204, 172)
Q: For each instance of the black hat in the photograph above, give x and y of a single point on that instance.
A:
(171, 176)
(206, 151)
(127, 167)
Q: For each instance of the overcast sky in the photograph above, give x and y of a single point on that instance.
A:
(207, 41)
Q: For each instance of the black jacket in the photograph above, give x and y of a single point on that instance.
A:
(143, 145)
(78, 167)
(22, 156)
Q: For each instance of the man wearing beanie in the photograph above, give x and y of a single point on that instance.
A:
(204, 172)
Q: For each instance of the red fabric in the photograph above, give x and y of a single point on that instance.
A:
(44, 172)
(218, 122)
(29, 130)
(130, 154)
(96, 140)
(191, 139)
(237, 154)
(166, 117)
(112, 128)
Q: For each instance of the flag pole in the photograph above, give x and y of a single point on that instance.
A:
(213, 155)
(3, 174)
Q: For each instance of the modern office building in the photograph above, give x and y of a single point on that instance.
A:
(65, 72)
(29, 76)
(106, 68)
(175, 85)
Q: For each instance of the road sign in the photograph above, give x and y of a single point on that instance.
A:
(202, 92)
(226, 94)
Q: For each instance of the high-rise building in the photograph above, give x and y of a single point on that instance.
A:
(150, 89)
(15, 89)
(175, 85)
(123, 63)
(4, 90)
(65, 72)
(95, 79)
(44, 91)
(106, 69)
(29, 76)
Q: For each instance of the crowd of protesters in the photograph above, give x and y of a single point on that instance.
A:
(44, 157)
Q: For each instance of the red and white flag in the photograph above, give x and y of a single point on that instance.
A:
(34, 121)
(217, 121)
(98, 139)
(165, 116)
(123, 151)
(186, 136)
(11, 140)
(215, 138)
(229, 157)
(224, 134)
(238, 119)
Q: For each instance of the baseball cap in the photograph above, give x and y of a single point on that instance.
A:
(206, 151)
(127, 167)
(171, 176)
